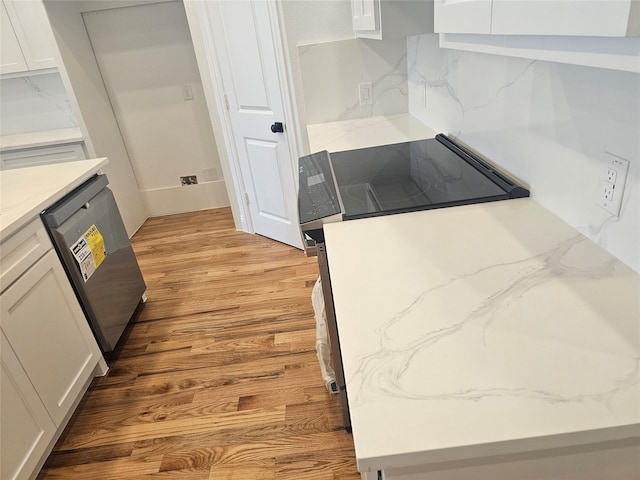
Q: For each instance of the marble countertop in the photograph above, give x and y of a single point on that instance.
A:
(482, 330)
(25, 192)
(366, 132)
(40, 139)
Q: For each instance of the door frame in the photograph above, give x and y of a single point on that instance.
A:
(210, 71)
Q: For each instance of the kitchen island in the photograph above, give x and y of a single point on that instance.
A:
(49, 355)
(486, 341)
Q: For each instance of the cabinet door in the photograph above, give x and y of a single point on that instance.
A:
(47, 329)
(462, 16)
(32, 27)
(597, 18)
(11, 58)
(27, 429)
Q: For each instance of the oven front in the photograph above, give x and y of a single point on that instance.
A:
(332, 330)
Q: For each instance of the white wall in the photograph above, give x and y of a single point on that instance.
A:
(307, 22)
(34, 103)
(549, 124)
(146, 57)
(79, 72)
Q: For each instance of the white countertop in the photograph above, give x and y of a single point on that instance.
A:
(366, 132)
(25, 192)
(40, 139)
(480, 330)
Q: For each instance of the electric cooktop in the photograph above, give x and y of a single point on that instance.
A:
(398, 178)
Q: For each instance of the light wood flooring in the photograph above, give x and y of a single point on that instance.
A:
(217, 377)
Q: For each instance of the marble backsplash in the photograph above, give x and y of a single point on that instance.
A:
(331, 73)
(34, 103)
(551, 125)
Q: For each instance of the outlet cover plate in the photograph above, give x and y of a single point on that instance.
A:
(613, 181)
(365, 93)
(189, 180)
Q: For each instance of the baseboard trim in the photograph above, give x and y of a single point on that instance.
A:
(188, 198)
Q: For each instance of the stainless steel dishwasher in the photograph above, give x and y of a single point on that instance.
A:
(92, 243)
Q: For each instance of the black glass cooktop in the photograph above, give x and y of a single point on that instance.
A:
(397, 178)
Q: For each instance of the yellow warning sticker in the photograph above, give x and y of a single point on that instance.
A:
(89, 251)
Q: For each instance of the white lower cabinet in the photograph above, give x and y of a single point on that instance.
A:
(27, 429)
(48, 331)
(615, 459)
(49, 354)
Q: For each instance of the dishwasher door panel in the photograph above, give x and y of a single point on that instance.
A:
(112, 292)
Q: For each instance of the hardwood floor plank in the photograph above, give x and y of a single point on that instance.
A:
(201, 423)
(217, 376)
(243, 472)
(129, 467)
(83, 456)
(252, 453)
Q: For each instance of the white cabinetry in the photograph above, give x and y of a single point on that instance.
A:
(11, 58)
(595, 18)
(30, 157)
(28, 37)
(378, 19)
(594, 33)
(49, 355)
(47, 329)
(27, 429)
(466, 16)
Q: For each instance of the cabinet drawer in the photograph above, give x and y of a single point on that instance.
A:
(22, 250)
(30, 157)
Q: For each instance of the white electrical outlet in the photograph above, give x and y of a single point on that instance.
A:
(612, 189)
(187, 93)
(365, 93)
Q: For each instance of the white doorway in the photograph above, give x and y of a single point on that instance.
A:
(242, 49)
(146, 59)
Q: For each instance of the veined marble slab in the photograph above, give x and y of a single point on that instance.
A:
(548, 124)
(332, 71)
(366, 132)
(40, 139)
(482, 330)
(25, 192)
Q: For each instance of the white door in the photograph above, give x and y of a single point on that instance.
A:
(245, 50)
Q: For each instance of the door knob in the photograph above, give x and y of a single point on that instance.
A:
(277, 127)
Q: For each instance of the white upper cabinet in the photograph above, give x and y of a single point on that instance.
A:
(11, 58)
(596, 18)
(27, 22)
(462, 16)
(365, 15)
(378, 19)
